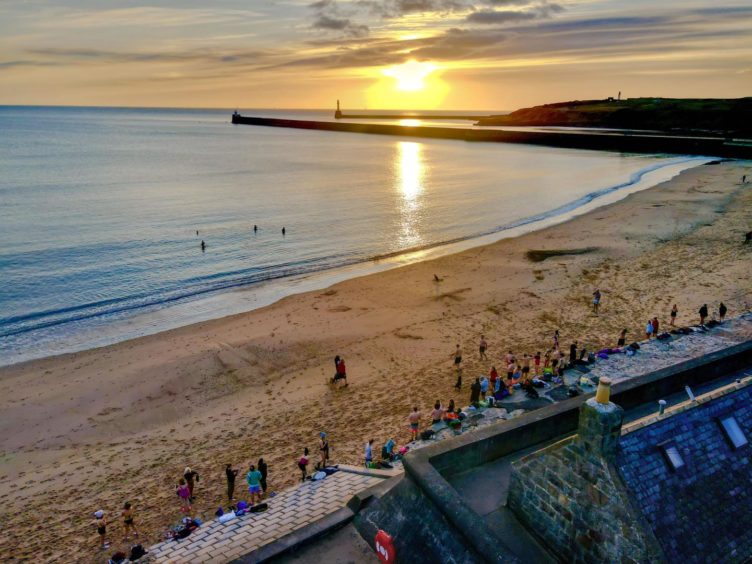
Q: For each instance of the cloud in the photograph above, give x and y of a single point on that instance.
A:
(328, 17)
(539, 11)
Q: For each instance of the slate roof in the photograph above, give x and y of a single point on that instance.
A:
(701, 512)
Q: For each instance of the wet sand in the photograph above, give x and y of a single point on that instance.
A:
(91, 430)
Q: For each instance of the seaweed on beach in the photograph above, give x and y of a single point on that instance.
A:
(542, 254)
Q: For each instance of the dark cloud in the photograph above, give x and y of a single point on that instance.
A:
(328, 17)
(345, 25)
(399, 8)
(534, 12)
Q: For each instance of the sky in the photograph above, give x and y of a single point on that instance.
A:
(370, 54)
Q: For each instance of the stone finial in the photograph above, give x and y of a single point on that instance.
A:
(600, 427)
(603, 395)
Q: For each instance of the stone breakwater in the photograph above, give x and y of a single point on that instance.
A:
(708, 146)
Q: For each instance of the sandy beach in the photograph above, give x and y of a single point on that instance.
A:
(94, 429)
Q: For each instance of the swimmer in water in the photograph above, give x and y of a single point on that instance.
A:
(203, 245)
(255, 228)
(283, 231)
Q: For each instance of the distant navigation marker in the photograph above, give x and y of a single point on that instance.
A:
(338, 113)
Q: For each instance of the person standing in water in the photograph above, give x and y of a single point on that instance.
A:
(203, 245)
(255, 228)
(674, 312)
(284, 231)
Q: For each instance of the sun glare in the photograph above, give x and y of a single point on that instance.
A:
(410, 76)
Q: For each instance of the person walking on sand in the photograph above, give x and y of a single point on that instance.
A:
(128, 523)
(722, 309)
(184, 493)
(231, 475)
(482, 346)
(100, 522)
(263, 467)
(303, 464)
(622, 338)
(457, 355)
(323, 451)
(191, 478)
(414, 420)
(253, 478)
(596, 300)
(674, 312)
(703, 313)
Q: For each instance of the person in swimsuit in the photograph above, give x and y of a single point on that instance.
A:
(414, 420)
(510, 369)
(128, 523)
(556, 339)
(547, 359)
(649, 329)
(101, 523)
(674, 312)
(525, 367)
(536, 363)
(622, 338)
(437, 413)
(323, 450)
(303, 464)
(191, 478)
(493, 376)
(457, 355)
(482, 347)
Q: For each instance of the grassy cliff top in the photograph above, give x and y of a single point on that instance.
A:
(728, 117)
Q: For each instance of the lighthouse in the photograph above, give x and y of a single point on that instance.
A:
(338, 113)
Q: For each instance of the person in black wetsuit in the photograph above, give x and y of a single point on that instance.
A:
(703, 313)
(203, 245)
(264, 469)
(722, 309)
(231, 475)
(475, 391)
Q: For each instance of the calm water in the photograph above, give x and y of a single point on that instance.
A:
(99, 210)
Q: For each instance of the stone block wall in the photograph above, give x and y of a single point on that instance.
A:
(571, 496)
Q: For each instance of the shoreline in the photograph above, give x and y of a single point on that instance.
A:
(121, 422)
(244, 299)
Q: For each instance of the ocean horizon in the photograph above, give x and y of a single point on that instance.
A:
(104, 210)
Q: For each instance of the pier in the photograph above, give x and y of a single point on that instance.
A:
(627, 143)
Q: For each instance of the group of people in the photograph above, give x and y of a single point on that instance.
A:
(129, 524)
(304, 461)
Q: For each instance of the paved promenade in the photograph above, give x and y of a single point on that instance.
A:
(216, 543)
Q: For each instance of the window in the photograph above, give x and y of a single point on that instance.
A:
(733, 432)
(672, 455)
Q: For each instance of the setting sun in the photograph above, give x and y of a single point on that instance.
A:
(410, 76)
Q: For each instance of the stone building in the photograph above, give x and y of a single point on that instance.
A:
(675, 487)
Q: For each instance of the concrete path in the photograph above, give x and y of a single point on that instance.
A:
(214, 542)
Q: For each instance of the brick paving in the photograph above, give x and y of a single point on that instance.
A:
(215, 542)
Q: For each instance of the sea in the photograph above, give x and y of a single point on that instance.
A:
(103, 212)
